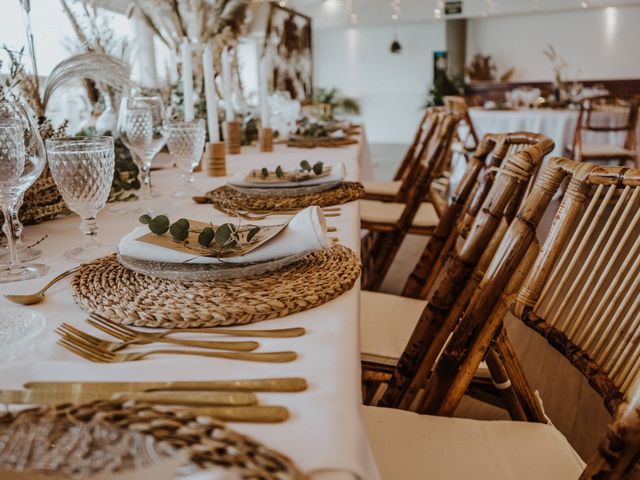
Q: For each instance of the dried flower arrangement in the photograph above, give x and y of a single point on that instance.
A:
(481, 68)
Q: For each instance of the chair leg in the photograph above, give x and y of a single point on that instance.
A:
(503, 384)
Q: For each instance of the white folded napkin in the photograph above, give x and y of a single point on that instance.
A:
(337, 174)
(306, 231)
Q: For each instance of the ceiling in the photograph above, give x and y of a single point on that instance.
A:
(343, 13)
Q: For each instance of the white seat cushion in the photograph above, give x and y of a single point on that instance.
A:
(604, 150)
(389, 212)
(382, 188)
(409, 446)
(386, 324)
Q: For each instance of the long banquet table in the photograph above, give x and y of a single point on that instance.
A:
(325, 428)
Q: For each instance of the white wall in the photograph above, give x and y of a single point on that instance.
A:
(596, 43)
(391, 88)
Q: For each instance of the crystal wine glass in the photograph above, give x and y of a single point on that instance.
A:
(82, 168)
(25, 252)
(22, 159)
(140, 126)
(186, 144)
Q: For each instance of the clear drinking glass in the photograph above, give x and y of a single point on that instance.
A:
(140, 127)
(22, 159)
(25, 252)
(82, 168)
(186, 144)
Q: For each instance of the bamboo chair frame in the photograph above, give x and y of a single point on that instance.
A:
(458, 105)
(606, 113)
(411, 160)
(460, 278)
(592, 248)
(380, 245)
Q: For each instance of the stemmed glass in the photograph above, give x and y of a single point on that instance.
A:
(140, 127)
(82, 168)
(186, 144)
(22, 159)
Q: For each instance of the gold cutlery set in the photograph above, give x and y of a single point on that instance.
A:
(227, 400)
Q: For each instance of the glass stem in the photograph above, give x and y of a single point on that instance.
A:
(146, 179)
(9, 230)
(90, 230)
(17, 225)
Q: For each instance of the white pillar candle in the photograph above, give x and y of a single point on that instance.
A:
(210, 94)
(187, 80)
(226, 85)
(263, 90)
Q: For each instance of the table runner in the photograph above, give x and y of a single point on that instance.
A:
(325, 429)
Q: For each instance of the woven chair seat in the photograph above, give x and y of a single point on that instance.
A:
(386, 324)
(390, 188)
(414, 447)
(603, 150)
(375, 211)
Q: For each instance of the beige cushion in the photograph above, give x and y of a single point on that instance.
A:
(382, 188)
(389, 212)
(409, 446)
(603, 150)
(386, 324)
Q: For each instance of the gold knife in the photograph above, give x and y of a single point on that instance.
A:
(256, 414)
(63, 395)
(293, 384)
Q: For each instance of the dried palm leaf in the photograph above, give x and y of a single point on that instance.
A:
(99, 67)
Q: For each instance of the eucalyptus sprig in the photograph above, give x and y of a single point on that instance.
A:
(304, 169)
(223, 238)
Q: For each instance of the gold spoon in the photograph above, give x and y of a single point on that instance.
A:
(30, 299)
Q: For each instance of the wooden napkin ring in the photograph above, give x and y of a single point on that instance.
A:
(215, 159)
(266, 140)
(232, 137)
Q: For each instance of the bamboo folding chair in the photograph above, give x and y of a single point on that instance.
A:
(607, 114)
(387, 321)
(579, 290)
(466, 132)
(388, 223)
(457, 281)
(396, 190)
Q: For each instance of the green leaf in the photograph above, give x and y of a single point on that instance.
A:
(318, 167)
(183, 223)
(145, 219)
(252, 233)
(264, 173)
(179, 231)
(279, 172)
(304, 165)
(223, 233)
(159, 225)
(206, 236)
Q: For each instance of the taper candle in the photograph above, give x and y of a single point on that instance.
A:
(210, 94)
(187, 79)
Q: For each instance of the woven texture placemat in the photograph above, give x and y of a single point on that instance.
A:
(206, 442)
(321, 142)
(108, 288)
(225, 198)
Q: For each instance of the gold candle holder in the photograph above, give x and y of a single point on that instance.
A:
(232, 137)
(215, 159)
(266, 140)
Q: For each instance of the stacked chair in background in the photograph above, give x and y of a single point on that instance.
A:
(577, 288)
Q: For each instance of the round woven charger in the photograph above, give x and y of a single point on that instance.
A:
(225, 198)
(108, 288)
(322, 142)
(207, 442)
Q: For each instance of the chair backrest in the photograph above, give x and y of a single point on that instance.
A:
(412, 156)
(579, 290)
(608, 113)
(448, 297)
(379, 248)
(463, 206)
(466, 130)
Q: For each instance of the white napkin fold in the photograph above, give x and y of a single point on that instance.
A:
(306, 231)
(337, 174)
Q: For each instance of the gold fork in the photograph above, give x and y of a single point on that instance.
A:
(256, 215)
(269, 333)
(90, 352)
(65, 328)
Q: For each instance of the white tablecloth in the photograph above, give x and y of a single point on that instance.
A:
(559, 125)
(325, 428)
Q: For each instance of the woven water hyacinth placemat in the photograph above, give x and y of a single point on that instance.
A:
(322, 142)
(110, 289)
(225, 198)
(101, 429)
